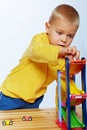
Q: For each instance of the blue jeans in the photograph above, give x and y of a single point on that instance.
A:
(8, 103)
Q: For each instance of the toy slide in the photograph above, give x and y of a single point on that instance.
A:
(73, 87)
(75, 122)
(77, 96)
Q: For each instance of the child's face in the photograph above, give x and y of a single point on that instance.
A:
(61, 32)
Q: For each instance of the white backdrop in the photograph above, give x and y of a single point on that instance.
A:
(20, 20)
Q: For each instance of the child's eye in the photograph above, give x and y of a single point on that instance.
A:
(70, 36)
(59, 33)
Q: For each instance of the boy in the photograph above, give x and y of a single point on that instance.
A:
(27, 83)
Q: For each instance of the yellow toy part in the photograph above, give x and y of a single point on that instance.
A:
(73, 87)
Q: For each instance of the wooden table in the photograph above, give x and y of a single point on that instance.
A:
(42, 119)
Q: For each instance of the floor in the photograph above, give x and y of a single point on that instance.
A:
(42, 119)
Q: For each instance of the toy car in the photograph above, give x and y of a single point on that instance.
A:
(27, 118)
(7, 122)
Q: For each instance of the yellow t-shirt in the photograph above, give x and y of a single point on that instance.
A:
(37, 68)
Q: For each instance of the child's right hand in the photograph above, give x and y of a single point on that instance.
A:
(70, 52)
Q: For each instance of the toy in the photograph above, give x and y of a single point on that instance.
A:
(67, 118)
(7, 122)
(27, 118)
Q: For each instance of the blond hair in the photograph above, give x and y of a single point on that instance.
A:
(67, 12)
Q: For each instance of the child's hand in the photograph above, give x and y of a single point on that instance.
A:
(70, 52)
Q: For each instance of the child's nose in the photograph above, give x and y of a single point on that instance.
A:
(64, 38)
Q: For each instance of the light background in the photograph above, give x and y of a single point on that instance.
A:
(20, 20)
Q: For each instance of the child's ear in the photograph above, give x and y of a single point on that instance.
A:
(47, 26)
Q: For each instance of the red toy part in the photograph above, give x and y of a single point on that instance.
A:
(61, 124)
(76, 66)
(77, 99)
(27, 118)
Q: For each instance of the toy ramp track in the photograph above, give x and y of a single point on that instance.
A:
(77, 95)
(73, 87)
(75, 122)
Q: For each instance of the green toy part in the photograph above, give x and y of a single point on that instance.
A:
(75, 122)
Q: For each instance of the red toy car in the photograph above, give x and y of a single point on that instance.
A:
(27, 118)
